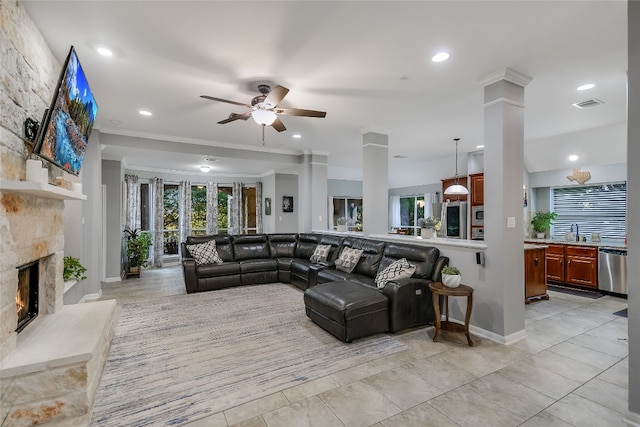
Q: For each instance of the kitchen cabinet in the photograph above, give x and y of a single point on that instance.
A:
(535, 276)
(572, 264)
(462, 180)
(476, 193)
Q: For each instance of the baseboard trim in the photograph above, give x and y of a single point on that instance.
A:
(632, 419)
(90, 297)
(112, 279)
(483, 333)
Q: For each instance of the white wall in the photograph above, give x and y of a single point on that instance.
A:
(269, 190)
(112, 175)
(286, 222)
(600, 174)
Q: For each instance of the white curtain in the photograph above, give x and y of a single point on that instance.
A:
(259, 212)
(428, 197)
(236, 216)
(184, 210)
(132, 212)
(212, 207)
(157, 184)
(394, 211)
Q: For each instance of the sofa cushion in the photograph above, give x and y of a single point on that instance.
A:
(400, 269)
(205, 253)
(320, 254)
(257, 265)
(336, 245)
(223, 245)
(423, 257)
(306, 245)
(250, 246)
(348, 259)
(371, 255)
(332, 275)
(216, 270)
(345, 300)
(282, 245)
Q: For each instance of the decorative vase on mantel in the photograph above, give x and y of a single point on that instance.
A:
(427, 233)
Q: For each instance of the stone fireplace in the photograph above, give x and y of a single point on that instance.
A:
(27, 296)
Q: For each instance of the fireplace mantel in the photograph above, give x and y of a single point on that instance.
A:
(40, 189)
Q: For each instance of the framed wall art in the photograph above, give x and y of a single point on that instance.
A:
(267, 205)
(287, 203)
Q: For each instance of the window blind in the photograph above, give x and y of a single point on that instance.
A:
(595, 208)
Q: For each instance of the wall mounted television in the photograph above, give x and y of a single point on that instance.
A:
(67, 124)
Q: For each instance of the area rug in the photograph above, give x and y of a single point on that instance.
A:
(574, 291)
(622, 313)
(180, 358)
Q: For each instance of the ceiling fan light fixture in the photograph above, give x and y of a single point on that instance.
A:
(264, 117)
(456, 188)
(205, 168)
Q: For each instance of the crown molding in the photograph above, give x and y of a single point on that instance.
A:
(508, 74)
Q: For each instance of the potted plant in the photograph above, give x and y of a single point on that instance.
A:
(73, 270)
(342, 223)
(137, 244)
(542, 221)
(429, 227)
(451, 276)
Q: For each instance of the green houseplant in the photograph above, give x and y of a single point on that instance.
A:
(451, 276)
(137, 246)
(542, 221)
(73, 270)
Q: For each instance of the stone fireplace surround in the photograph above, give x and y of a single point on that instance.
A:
(49, 373)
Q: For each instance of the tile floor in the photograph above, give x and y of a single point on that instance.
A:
(571, 370)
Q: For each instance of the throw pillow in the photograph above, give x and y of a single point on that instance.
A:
(320, 254)
(348, 259)
(399, 269)
(205, 253)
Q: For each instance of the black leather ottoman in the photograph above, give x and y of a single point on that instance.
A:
(347, 310)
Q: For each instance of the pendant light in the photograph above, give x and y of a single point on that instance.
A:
(456, 188)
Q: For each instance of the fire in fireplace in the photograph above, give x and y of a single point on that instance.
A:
(27, 296)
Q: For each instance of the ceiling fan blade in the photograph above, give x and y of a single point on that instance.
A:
(234, 116)
(276, 95)
(278, 125)
(225, 100)
(300, 112)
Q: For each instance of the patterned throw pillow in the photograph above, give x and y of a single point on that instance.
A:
(348, 259)
(399, 269)
(205, 253)
(320, 254)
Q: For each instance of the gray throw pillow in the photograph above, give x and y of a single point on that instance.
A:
(205, 253)
(348, 259)
(399, 269)
(320, 254)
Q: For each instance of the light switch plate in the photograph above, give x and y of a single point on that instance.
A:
(511, 222)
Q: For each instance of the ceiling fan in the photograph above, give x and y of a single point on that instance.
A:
(264, 108)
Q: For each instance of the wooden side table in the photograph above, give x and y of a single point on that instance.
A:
(461, 291)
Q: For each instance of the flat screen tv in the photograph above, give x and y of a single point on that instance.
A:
(66, 127)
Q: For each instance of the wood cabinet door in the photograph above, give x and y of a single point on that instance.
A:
(462, 180)
(535, 283)
(555, 267)
(477, 189)
(582, 271)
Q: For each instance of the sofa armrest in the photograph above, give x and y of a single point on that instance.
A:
(410, 303)
(314, 268)
(437, 269)
(190, 275)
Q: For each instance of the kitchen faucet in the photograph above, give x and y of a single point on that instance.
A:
(577, 233)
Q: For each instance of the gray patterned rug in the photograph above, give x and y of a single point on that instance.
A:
(180, 358)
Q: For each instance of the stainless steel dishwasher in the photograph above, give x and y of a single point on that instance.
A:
(612, 270)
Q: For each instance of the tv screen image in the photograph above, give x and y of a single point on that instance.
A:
(69, 121)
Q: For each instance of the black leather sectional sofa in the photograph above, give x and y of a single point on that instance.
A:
(348, 305)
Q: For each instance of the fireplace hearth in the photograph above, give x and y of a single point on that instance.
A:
(27, 296)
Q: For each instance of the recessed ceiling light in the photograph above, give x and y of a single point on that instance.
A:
(399, 156)
(404, 77)
(145, 113)
(439, 57)
(573, 157)
(210, 159)
(205, 168)
(479, 146)
(587, 86)
(104, 51)
(296, 136)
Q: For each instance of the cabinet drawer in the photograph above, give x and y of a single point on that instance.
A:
(584, 251)
(555, 249)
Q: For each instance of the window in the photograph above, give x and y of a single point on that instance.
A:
(224, 194)
(198, 210)
(349, 208)
(411, 208)
(595, 208)
(170, 219)
(145, 213)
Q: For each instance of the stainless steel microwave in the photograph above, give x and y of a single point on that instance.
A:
(477, 216)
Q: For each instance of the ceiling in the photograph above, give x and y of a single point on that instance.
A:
(367, 64)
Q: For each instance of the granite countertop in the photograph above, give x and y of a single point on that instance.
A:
(529, 246)
(608, 244)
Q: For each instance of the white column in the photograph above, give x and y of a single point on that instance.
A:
(633, 208)
(375, 183)
(504, 168)
(319, 198)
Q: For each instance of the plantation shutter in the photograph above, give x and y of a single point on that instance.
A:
(595, 208)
